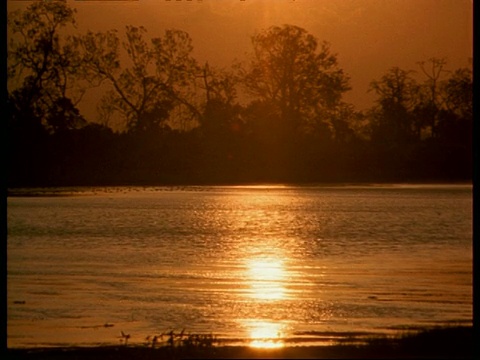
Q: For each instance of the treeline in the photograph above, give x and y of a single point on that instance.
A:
(165, 118)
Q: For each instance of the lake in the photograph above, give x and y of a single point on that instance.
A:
(262, 266)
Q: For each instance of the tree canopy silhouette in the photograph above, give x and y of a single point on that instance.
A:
(298, 78)
(278, 117)
(43, 68)
(160, 74)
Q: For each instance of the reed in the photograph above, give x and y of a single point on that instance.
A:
(439, 343)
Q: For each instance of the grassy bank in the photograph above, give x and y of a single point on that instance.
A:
(441, 343)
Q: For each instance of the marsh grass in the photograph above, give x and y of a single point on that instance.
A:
(181, 340)
(437, 343)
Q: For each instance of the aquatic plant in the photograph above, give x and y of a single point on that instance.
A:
(180, 345)
(182, 340)
(124, 338)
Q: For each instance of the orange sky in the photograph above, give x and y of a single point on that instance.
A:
(369, 36)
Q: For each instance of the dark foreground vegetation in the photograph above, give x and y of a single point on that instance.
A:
(164, 118)
(443, 343)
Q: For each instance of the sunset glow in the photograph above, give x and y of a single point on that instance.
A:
(267, 335)
(266, 277)
(239, 178)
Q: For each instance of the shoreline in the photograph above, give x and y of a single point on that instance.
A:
(68, 191)
(440, 343)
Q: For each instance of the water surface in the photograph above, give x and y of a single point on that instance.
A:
(260, 265)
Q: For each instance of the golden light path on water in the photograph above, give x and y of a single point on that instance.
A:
(265, 260)
(266, 334)
(266, 278)
(258, 267)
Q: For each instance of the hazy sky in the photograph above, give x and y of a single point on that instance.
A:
(369, 36)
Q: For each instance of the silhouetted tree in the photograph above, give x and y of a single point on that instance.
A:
(288, 70)
(222, 127)
(392, 121)
(43, 67)
(221, 112)
(430, 102)
(422, 130)
(45, 83)
(455, 119)
(159, 77)
(185, 123)
(458, 93)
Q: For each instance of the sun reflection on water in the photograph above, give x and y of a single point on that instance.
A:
(265, 334)
(266, 277)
